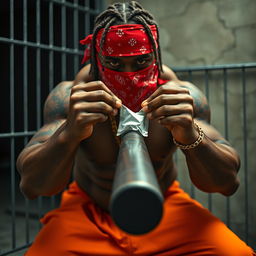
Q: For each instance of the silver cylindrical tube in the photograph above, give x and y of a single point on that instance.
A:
(136, 204)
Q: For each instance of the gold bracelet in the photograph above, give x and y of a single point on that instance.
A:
(193, 145)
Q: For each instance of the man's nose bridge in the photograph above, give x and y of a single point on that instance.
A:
(129, 67)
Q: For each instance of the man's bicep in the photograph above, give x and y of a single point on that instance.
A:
(37, 140)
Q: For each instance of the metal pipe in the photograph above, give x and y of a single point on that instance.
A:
(136, 204)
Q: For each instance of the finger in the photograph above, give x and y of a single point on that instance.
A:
(94, 107)
(168, 88)
(96, 85)
(92, 118)
(168, 99)
(93, 96)
(171, 110)
(184, 120)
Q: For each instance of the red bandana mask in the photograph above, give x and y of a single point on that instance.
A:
(127, 40)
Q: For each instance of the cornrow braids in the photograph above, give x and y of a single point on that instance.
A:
(123, 13)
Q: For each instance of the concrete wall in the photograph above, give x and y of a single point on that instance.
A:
(196, 32)
(209, 32)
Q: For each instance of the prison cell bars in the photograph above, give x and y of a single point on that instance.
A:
(51, 48)
(12, 135)
(241, 67)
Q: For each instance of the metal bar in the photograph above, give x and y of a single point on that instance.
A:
(206, 86)
(192, 187)
(245, 156)
(41, 46)
(215, 67)
(76, 39)
(75, 6)
(51, 41)
(226, 133)
(25, 104)
(51, 64)
(63, 41)
(16, 134)
(38, 65)
(15, 250)
(87, 19)
(38, 86)
(12, 126)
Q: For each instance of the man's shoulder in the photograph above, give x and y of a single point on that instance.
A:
(168, 74)
(57, 102)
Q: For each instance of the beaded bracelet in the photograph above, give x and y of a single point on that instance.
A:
(193, 145)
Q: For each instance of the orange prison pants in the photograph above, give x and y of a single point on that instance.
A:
(79, 227)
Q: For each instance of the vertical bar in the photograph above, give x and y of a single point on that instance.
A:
(51, 64)
(63, 41)
(51, 57)
(245, 156)
(38, 84)
(206, 86)
(225, 83)
(12, 125)
(97, 6)
(192, 187)
(87, 18)
(76, 39)
(25, 104)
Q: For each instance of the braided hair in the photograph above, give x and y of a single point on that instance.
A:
(123, 13)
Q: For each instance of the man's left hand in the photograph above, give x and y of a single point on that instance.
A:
(172, 106)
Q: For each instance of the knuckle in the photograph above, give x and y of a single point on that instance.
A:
(102, 105)
(188, 119)
(80, 119)
(105, 107)
(76, 108)
(99, 83)
(190, 99)
(189, 108)
(102, 117)
(164, 108)
(73, 98)
(185, 90)
(163, 88)
(77, 87)
(101, 93)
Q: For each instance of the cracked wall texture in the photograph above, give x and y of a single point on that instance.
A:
(210, 32)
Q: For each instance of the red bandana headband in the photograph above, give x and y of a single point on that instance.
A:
(122, 40)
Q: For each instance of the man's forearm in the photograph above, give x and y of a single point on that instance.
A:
(45, 167)
(213, 167)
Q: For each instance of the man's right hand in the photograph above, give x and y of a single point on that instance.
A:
(90, 103)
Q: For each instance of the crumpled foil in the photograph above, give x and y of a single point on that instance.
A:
(131, 121)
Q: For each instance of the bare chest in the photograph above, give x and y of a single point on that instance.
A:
(102, 147)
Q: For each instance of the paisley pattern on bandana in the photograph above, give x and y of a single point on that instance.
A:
(122, 40)
(127, 40)
(131, 87)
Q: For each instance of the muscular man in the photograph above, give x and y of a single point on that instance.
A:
(78, 138)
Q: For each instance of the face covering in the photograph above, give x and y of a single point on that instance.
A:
(127, 40)
(131, 87)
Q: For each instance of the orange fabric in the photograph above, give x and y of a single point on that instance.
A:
(79, 227)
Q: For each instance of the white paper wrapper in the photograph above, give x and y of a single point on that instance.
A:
(131, 121)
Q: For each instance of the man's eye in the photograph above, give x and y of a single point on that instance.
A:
(141, 61)
(114, 64)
